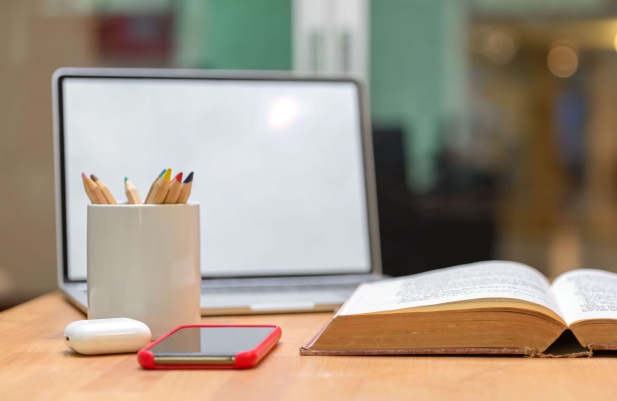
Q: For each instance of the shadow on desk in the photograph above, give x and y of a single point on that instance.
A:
(10, 301)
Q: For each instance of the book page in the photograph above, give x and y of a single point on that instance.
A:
(495, 279)
(586, 294)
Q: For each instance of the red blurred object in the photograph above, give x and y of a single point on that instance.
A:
(136, 38)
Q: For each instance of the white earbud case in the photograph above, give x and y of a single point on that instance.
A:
(106, 336)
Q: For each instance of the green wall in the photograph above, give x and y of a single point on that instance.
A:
(418, 75)
(235, 34)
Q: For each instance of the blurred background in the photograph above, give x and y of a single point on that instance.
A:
(494, 121)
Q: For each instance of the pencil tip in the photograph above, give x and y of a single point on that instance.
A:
(189, 178)
(167, 174)
(178, 177)
(94, 177)
(162, 172)
(126, 179)
(84, 176)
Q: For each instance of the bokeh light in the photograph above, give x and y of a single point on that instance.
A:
(562, 61)
(500, 46)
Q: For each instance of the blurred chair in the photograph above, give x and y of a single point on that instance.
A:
(452, 224)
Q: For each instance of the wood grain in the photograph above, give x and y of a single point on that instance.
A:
(35, 364)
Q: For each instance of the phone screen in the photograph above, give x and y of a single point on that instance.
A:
(202, 343)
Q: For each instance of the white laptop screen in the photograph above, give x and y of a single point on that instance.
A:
(278, 166)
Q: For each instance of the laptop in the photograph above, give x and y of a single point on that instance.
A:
(283, 172)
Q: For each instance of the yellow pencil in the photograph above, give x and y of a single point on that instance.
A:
(93, 191)
(160, 189)
(106, 192)
(131, 192)
(185, 192)
(174, 189)
(152, 186)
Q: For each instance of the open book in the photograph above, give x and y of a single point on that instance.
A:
(481, 308)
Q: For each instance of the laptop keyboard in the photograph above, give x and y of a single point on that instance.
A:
(287, 284)
(281, 284)
(289, 288)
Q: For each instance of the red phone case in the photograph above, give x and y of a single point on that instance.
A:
(243, 360)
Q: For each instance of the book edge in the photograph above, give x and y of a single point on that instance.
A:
(527, 352)
(316, 336)
(602, 347)
(306, 351)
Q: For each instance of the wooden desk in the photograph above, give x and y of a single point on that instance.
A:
(35, 364)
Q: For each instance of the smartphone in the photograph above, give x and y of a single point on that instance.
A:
(210, 347)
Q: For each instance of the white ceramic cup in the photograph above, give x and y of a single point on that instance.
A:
(143, 263)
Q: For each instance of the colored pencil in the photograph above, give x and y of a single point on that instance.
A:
(174, 189)
(160, 189)
(185, 192)
(131, 192)
(93, 191)
(152, 186)
(106, 192)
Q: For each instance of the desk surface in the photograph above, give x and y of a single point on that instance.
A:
(35, 364)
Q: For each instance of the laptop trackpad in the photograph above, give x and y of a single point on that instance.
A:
(286, 305)
(260, 302)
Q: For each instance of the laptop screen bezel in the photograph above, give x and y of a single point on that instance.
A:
(178, 74)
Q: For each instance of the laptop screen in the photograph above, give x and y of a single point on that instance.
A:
(278, 166)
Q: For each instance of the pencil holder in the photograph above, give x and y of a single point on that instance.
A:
(144, 264)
